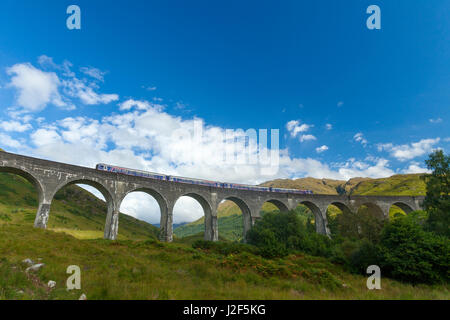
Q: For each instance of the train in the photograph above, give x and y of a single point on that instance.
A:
(208, 183)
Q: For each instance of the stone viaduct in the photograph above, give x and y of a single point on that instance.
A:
(49, 177)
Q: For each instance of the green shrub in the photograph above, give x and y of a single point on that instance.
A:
(411, 254)
(278, 234)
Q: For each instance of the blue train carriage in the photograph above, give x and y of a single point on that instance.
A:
(200, 182)
(131, 172)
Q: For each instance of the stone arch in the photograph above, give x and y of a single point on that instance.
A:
(95, 184)
(211, 233)
(277, 203)
(341, 206)
(375, 209)
(405, 207)
(319, 220)
(162, 202)
(112, 216)
(246, 214)
(43, 209)
(27, 176)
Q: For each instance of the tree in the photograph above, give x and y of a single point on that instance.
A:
(437, 200)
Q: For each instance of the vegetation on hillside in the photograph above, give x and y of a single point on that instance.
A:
(149, 269)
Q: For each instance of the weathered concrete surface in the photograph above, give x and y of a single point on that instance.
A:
(49, 177)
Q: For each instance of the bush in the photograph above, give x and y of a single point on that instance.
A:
(411, 254)
(406, 252)
(278, 234)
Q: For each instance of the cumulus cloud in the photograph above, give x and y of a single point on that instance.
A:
(307, 137)
(14, 126)
(409, 151)
(321, 149)
(294, 127)
(130, 103)
(76, 88)
(35, 88)
(7, 141)
(414, 167)
(329, 126)
(437, 120)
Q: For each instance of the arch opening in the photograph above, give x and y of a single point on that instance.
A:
(141, 211)
(336, 213)
(192, 218)
(312, 216)
(399, 209)
(367, 222)
(273, 205)
(80, 208)
(234, 219)
(20, 195)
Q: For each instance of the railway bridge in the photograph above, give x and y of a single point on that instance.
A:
(49, 177)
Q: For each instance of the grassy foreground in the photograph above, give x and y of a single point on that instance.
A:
(148, 269)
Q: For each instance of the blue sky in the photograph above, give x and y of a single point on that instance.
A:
(348, 101)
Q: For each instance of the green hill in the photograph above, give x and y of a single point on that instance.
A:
(74, 211)
(230, 218)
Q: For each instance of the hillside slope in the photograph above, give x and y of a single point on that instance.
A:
(230, 218)
(74, 211)
(136, 270)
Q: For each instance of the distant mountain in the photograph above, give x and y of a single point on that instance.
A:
(230, 218)
(401, 184)
(175, 225)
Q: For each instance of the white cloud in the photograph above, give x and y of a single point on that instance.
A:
(329, 126)
(45, 137)
(307, 137)
(36, 88)
(294, 127)
(359, 137)
(340, 103)
(130, 103)
(94, 73)
(437, 120)
(15, 126)
(409, 151)
(76, 88)
(321, 149)
(415, 167)
(6, 140)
